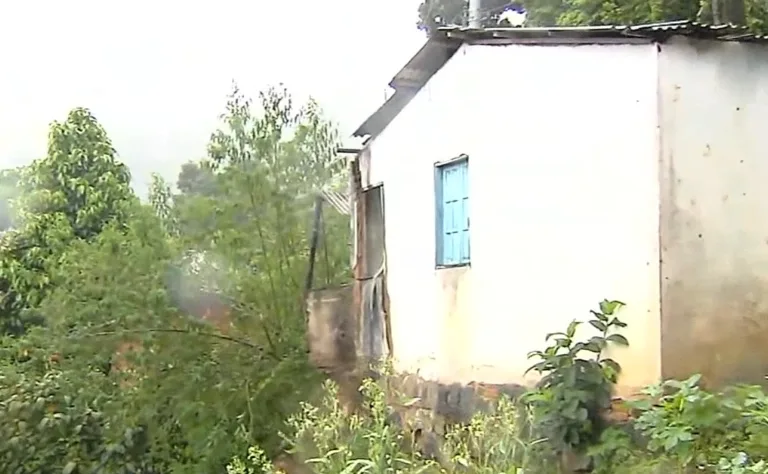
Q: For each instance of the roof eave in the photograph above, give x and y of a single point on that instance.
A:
(432, 56)
(446, 41)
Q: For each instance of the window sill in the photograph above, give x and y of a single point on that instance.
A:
(452, 265)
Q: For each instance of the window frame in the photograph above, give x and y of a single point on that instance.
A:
(439, 166)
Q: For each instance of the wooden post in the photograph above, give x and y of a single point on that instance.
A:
(316, 222)
(358, 270)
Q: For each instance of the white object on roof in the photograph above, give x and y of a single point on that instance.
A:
(514, 16)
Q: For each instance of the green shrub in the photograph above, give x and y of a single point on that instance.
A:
(688, 426)
(575, 391)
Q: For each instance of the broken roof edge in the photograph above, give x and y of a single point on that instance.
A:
(446, 41)
(429, 59)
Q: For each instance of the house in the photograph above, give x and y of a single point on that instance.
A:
(519, 176)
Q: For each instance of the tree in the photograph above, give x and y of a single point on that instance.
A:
(69, 410)
(9, 191)
(753, 13)
(161, 201)
(126, 377)
(196, 178)
(268, 160)
(72, 193)
(80, 179)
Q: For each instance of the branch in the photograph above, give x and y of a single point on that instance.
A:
(222, 337)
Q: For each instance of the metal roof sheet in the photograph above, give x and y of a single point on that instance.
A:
(651, 31)
(444, 43)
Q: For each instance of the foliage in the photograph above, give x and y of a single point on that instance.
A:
(268, 165)
(9, 192)
(72, 193)
(255, 463)
(196, 178)
(726, 434)
(332, 441)
(436, 13)
(79, 179)
(574, 392)
(173, 332)
(753, 13)
(693, 427)
(54, 420)
(161, 201)
(495, 442)
(100, 290)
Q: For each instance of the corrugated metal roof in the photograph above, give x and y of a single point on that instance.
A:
(652, 32)
(444, 43)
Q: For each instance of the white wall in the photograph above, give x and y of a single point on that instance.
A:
(563, 172)
(715, 210)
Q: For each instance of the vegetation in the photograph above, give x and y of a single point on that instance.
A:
(752, 13)
(561, 425)
(169, 336)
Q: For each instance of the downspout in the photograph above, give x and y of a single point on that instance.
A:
(664, 182)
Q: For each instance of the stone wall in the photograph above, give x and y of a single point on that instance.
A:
(437, 404)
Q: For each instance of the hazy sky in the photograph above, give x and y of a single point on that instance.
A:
(156, 73)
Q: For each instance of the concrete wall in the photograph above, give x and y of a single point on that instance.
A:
(714, 227)
(332, 329)
(562, 144)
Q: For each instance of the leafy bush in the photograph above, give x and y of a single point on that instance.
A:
(54, 421)
(574, 392)
(685, 425)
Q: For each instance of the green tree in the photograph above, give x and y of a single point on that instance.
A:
(80, 179)
(72, 193)
(169, 351)
(196, 178)
(9, 191)
(250, 233)
(65, 408)
(161, 201)
(753, 13)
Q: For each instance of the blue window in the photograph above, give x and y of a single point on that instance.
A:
(452, 212)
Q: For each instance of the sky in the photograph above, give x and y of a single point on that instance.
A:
(156, 73)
